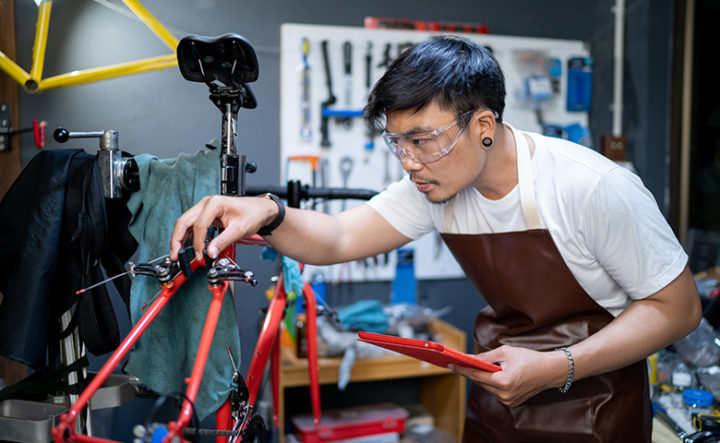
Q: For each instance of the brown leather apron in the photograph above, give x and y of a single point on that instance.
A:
(535, 302)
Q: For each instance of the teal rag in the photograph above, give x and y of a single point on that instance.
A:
(164, 355)
(364, 315)
(292, 280)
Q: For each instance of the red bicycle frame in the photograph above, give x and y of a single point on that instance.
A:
(267, 347)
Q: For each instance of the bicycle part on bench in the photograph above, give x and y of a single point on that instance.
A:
(225, 64)
(224, 269)
(164, 271)
(119, 173)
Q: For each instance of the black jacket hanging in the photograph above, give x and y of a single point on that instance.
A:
(55, 240)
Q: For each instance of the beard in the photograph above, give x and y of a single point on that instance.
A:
(437, 200)
(440, 201)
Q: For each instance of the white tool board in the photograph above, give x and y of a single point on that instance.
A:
(521, 58)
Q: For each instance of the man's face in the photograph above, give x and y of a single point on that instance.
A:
(442, 179)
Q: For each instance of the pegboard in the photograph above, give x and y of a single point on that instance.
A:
(536, 73)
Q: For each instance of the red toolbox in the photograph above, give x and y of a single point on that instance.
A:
(342, 424)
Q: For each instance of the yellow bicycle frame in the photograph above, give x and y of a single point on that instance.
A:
(33, 82)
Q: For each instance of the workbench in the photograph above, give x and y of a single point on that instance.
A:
(661, 433)
(443, 393)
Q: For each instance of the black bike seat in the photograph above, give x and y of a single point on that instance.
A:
(228, 59)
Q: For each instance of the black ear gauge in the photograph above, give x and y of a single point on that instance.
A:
(487, 142)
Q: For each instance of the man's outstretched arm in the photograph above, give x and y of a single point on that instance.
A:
(307, 236)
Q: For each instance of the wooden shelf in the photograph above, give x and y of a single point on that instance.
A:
(442, 392)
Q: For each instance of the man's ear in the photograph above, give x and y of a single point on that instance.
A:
(483, 124)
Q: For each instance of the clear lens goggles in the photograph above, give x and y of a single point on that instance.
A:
(428, 146)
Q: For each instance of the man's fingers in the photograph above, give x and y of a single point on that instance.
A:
(220, 211)
(210, 211)
(223, 240)
(180, 230)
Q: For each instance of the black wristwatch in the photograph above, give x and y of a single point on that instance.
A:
(267, 229)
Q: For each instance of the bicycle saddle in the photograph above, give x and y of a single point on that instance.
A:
(228, 59)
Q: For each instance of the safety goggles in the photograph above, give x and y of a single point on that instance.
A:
(428, 146)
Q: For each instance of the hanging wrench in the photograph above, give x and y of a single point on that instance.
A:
(346, 166)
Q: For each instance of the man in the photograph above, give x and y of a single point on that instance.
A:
(582, 275)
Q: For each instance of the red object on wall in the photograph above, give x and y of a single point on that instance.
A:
(395, 23)
(420, 25)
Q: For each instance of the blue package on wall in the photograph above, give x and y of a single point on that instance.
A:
(580, 79)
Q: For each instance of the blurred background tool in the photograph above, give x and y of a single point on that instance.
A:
(304, 79)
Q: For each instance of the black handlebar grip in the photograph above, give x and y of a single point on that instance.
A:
(305, 192)
(61, 135)
(208, 261)
(184, 262)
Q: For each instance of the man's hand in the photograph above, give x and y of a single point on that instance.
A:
(524, 374)
(239, 216)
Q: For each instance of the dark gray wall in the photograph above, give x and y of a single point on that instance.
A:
(162, 114)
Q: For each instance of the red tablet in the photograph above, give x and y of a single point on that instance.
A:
(428, 351)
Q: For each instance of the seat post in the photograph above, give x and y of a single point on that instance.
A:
(232, 178)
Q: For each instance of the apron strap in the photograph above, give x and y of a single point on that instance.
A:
(525, 183)
(449, 209)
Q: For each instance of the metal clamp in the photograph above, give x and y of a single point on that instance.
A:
(118, 173)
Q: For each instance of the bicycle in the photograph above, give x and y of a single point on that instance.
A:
(33, 81)
(214, 61)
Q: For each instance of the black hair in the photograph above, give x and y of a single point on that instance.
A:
(458, 74)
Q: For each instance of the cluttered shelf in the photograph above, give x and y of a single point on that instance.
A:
(442, 392)
(685, 377)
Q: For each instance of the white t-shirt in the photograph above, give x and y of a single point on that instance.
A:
(603, 220)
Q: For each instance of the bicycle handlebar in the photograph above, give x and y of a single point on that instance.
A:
(295, 192)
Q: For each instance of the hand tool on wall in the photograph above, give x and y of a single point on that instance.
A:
(6, 131)
(346, 166)
(347, 69)
(331, 99)
(387, 58)
(369, 130)
(304, 79)
(312, 160)
(368, 67)
(324, 165)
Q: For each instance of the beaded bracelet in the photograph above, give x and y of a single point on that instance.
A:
(571, 369)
